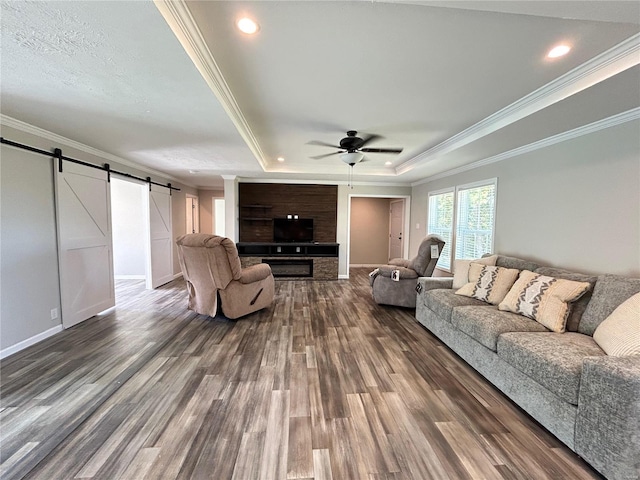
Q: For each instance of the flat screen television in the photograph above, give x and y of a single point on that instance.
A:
(294, 230)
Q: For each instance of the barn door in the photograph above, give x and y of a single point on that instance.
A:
(83, 208)
(160, 264)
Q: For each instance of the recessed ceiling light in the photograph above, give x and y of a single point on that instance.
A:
(193, 172)
(388, 162)
(248, 26)
(558, 51)
(280, 159)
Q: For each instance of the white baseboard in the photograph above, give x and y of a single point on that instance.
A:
(177, 275)
(343, 277)
(362, 265)
(30, 341)
(129, 277)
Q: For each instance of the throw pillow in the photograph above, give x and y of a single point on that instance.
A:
(619, 333)
(544, 299)
(488, 283)
(461, 269)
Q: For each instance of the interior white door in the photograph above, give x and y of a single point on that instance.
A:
(83, 208)
(160, 263)
(192, 214)
(396, 223)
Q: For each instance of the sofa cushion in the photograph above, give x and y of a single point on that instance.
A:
(461, 269)
(579, 306)
(609, 292)
(485, 325)
(552, 359)
(545, 299)
(443, 301)
(619, 333)
(488, 283)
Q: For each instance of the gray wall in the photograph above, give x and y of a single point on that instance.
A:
(28, 254)
(574, 205)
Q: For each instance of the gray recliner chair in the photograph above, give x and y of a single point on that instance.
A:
(395, 283)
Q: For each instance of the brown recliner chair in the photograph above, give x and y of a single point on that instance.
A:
(395, 283)
(211, 267)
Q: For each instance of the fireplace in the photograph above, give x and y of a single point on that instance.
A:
(290, 268)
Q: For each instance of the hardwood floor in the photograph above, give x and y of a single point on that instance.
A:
(325, 384)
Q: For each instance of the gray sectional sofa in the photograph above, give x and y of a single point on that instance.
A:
(588, 400)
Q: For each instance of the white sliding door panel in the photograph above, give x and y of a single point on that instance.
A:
(160, 263)
(83, 208)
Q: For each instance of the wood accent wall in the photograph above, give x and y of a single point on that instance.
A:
(278, 200)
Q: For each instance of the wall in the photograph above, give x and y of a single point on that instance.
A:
(575, 204)
(369, 232)
(342, 233)
(128, 227)
(317, 202)
(207, 218)
(28, 257)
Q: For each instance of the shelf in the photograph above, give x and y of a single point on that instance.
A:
(288, 249)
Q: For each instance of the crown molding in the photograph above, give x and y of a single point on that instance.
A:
(178, 16)
(609, 63)
(612, 121)
(321, 182)
(54, 137)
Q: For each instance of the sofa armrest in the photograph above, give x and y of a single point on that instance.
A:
(607, 431)
(434, 283)
(255, 273)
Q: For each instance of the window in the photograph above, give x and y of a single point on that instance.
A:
(466, 224)
(441, 223)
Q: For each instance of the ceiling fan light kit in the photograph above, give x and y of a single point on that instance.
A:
(351, 158)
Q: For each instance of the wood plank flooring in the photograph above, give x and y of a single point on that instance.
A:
(324, 384)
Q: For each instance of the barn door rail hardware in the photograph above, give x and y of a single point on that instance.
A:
(57, 154)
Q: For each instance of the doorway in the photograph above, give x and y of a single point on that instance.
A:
(396, 228)
(129, 227)
(371, 219)
(218, 217)
(191, 214)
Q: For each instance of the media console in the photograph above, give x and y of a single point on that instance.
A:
(317, 261)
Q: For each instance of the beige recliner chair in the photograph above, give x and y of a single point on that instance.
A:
(211, 267)
(395, 283)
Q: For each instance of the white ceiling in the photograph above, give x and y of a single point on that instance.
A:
(427, 76)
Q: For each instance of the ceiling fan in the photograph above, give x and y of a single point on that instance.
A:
(352, 148)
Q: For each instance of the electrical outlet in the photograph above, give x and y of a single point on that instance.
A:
(54, 313)
(417, 226)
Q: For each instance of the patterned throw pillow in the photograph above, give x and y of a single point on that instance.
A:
(488, 283)
(461, 269)
(544, 299)
(619, 333)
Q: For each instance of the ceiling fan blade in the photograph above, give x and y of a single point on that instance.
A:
(322, 144)
(381, 150)
(318, 157)
(369, 138)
